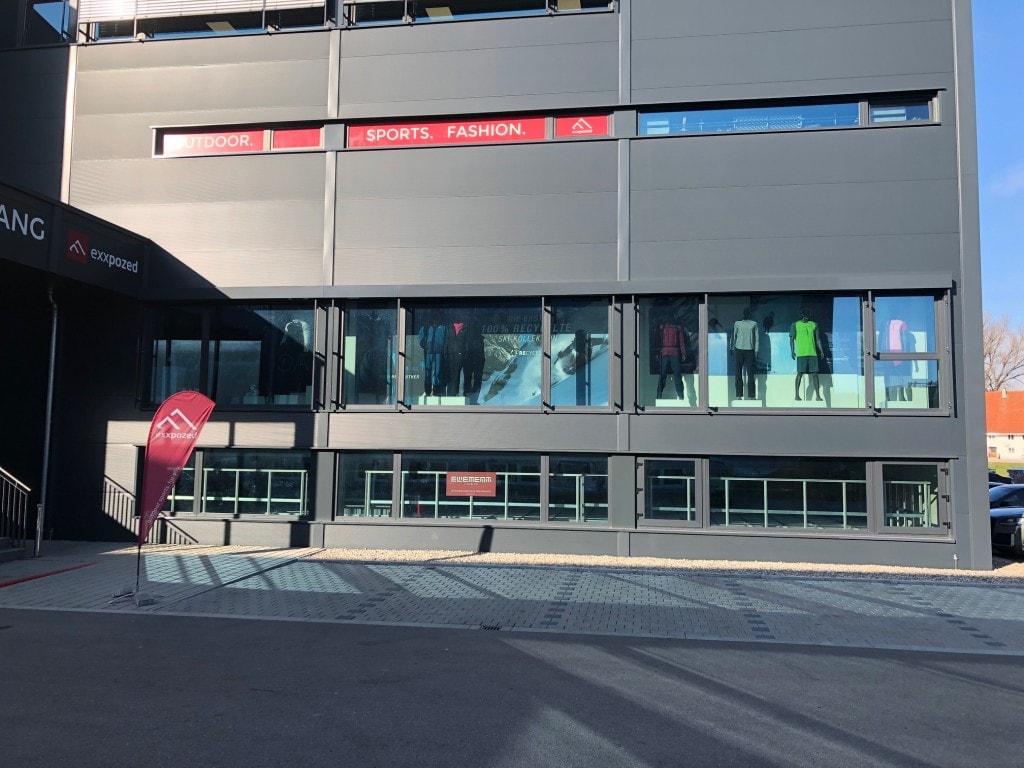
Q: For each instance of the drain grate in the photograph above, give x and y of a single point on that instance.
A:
(490, 626)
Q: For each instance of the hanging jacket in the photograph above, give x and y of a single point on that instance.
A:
(672, 339)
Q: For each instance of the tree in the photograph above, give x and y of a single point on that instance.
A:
(1003, 347)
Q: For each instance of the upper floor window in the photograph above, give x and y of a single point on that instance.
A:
(240, 355)
(786, 116)
(370, 12)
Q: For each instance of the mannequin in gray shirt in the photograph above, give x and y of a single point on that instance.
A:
(745, 344)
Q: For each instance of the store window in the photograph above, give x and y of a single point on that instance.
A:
(668, 352)
(912, 497)
(797, 493)
(578, 489)
(472, 486)
(907, 352)
(579, 352)
(785, 351)
(255, 482)
(176, 351)
(370, 354)
(242, 356)
(365, 482)
(480, 353)
(370, 12)
(670, 490)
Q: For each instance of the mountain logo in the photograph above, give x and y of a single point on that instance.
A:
(78, 246)
(171, 425)
(582, 128)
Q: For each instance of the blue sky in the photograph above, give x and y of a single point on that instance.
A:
(999, 81)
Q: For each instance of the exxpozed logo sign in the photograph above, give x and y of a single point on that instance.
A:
(80, 250)
(78, 246)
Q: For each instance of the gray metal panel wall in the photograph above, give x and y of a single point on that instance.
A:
(693, 50)
(540, 213)
(498, 65)
(819, 202)
(238, 221)
(235, 220)
(33, 93)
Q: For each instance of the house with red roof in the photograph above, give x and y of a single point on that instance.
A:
(1004, 425)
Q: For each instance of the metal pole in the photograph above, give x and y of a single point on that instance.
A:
(47, 428)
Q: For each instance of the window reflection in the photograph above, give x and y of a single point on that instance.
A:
(579, 352)
(254, 482)
(176, 350)
(364, 486)
(370, 354)
(911, 495)
(780, 117)
(906, 368)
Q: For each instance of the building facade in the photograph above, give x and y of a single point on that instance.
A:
(649, 277)
(1004, 425)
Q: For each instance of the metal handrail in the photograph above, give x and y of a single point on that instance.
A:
(13, 508)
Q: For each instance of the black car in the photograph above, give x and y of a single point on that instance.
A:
(1006, 507)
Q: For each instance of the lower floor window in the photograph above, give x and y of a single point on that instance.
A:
(240, 482)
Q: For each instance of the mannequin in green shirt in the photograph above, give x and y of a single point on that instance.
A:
(805, 347)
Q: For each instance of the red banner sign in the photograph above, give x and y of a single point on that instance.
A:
(172, 436)
(425, 134)
(213, 143)
(582, 125)
(471, 484)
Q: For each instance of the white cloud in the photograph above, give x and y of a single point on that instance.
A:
(1010, 183)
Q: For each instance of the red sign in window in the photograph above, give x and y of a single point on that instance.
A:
(582, 125)
(212, 143)
(447, 132)
(471, 484)
(297, 138)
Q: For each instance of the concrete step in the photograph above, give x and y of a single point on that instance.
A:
(8, 551)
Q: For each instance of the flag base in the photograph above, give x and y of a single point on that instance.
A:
(144, 598)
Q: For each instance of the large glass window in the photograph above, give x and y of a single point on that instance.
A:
(255, 482)
(578, 490)
(670, 490)
(911, 496)
(177, 352)
(579, 352)
(785, 351)
(777, 117)
(912, 110)
(484, 486)
(907, 352)
(249, 356)
(262, 355)
(181, 500)
(370, 354)
(365, 483)
(485, 353)
(668, 352)
(756, 492)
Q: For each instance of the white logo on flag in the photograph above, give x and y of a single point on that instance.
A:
(168, 422)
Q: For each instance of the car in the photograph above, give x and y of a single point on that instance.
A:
(1006, 508)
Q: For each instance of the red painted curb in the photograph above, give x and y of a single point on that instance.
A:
(44, 575)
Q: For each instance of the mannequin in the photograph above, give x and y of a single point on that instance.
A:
(805, 347)
(893, 337)
(433, 337)
(671, 340)
(473, 360)
(745, 344)
(457, 357)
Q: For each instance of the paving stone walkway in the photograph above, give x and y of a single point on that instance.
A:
(284, 584)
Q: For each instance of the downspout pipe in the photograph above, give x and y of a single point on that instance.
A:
(44, 482)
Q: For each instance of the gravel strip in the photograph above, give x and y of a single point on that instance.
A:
(1009, 572)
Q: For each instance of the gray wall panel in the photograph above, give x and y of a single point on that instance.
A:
(868, 200)
(482, 66)
(479, 215)
(744, 49)
(33, 94)
(236, 221)
(473, 431)
(802, 434)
